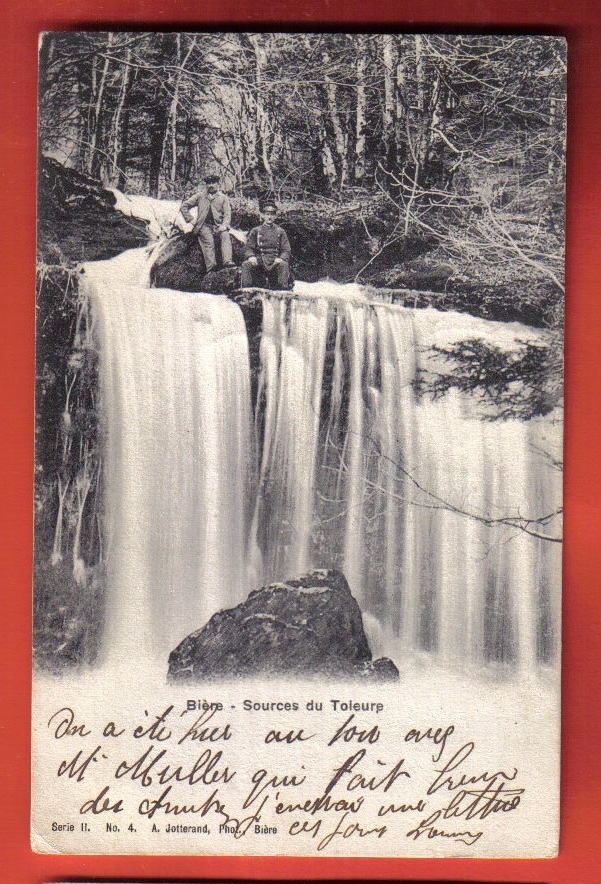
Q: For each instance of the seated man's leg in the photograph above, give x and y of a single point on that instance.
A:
(225, 242)
(206, 240)
(246, 277)
(283, 275)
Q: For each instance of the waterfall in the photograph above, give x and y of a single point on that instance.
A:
(175, 389)
(425, 506)
(408, 496)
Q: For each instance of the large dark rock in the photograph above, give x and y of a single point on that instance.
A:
(305, 627)
(179, 265)
(77, 220)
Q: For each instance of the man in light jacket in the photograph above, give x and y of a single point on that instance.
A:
(214, 217)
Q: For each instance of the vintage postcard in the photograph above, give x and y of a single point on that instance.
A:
(299, 444)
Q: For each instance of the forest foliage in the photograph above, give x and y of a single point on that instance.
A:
(460, 138)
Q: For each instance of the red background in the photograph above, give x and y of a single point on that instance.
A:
(580, 21)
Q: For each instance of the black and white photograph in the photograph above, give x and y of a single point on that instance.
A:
(298, 474)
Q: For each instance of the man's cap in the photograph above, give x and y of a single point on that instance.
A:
(211, 178)
(269, 204)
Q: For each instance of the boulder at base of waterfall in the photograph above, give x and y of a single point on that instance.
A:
(305, 627)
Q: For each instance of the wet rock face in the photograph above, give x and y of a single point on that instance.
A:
(302, 628)
(77, 220)
(180, 265)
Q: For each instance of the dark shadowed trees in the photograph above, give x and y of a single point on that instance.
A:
(461, 137)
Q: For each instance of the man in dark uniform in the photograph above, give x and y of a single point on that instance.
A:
(267, 248)
(214, 217)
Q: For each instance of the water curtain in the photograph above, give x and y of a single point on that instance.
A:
(337, 463)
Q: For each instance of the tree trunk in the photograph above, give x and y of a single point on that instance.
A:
(46, 56)
(427, 168)
(120, 128)
(361, 115)
(388, 50)
(124, 139)
(322, 167)
(98, 88)
(400, 114)
(419, 147)
(335, 126)
(264, 135)
(160, 117)
(171, 133)
(157, 135)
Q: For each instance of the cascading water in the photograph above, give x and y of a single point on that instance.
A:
(412, 499)
(422, 504)
(179, 459)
